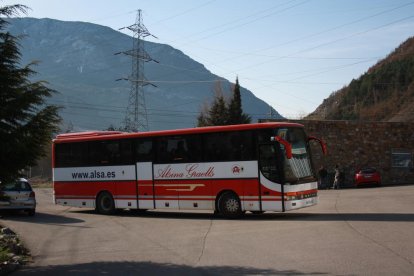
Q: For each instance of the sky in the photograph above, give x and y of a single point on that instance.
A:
(290, 53)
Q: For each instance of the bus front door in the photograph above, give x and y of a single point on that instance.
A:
(271, 189)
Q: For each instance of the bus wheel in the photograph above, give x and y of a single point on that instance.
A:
(105, 204)
(229, 205)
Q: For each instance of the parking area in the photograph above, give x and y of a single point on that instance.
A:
(368, 231)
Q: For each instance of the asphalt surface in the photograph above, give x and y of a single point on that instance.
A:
(350, 232)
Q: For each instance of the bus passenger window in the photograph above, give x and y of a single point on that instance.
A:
(71, 155)
(126, 152)
(144, 150)
(111, 153)
(194, 148)
(163, 155)
(177, 149)
(179, 153)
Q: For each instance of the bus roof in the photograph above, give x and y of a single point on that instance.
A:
(86, 134)
(110, 135)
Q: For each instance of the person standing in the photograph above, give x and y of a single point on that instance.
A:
(322, 173)
(337, 177)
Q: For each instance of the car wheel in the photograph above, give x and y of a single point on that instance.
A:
(105, 204)
(229, 205)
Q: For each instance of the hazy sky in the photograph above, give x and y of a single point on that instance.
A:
(290, 53)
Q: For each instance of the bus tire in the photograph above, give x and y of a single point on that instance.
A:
(105, 204)
(229, 205)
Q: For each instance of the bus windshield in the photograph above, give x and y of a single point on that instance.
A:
(298, 169)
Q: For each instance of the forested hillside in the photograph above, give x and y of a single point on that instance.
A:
(384, 93)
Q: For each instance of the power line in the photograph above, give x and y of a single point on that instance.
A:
(323, 44)
(248, 22)
(324, 31)
(117, 109)
(184, 12)
(93, 121)
(312, 48)
(234, 21)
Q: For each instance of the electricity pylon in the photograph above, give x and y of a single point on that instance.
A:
(136, 118)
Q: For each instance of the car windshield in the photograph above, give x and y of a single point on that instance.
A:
(22, 186)
(298, 168)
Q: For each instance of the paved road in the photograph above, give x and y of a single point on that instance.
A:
(351, 232)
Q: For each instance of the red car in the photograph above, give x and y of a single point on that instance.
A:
(367, 175)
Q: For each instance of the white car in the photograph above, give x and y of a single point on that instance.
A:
(18, 195)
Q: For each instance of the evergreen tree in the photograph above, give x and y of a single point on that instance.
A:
(218, 112)
(235, 111)
(26, 121)
(202, 119)
(216, 115)
(221, 113)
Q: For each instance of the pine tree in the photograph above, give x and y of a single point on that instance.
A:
(202, 120)
(216, 115)
(221, 113)
(218, 111)
(235, 111)
(26, 121)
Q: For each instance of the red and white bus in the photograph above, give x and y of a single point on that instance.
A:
(228, 169)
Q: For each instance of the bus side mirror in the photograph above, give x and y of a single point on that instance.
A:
(286, 144)
(322, 143)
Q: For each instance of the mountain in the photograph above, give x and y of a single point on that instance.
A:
(77, 60)
(384, 93)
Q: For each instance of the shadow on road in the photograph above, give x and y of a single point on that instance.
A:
(392, 217)
(40, 218)
(150, 268)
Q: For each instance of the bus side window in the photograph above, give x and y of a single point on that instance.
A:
(95, 153)
(230, 146)
(180, 153)
(112, 153)
(62, 155)
(144, 150)
(71, 155)
(263, 135)
(195, 148)
(126, 149)
(104, 153)
(213, 147)
(242, 146)
(163, 154)
(177, 149)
